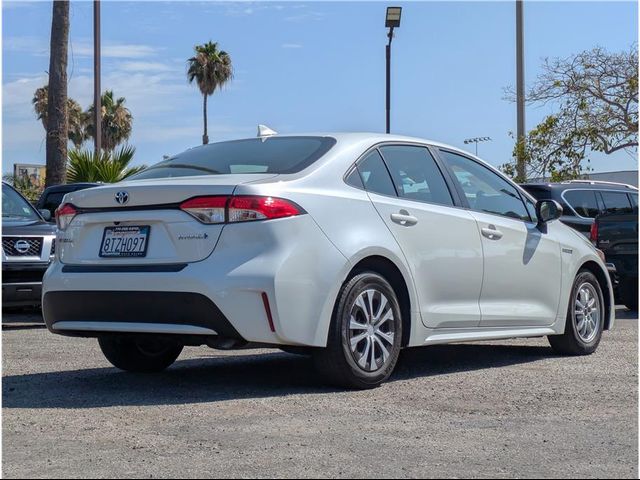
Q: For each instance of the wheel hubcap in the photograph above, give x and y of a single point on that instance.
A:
(371, 330)
(587, 312)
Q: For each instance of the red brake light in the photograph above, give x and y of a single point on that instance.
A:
(594, 232)
(247, 208)
(206, 209)
(64, 215)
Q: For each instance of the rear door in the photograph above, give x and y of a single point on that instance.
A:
(522, 266)
(439, 240)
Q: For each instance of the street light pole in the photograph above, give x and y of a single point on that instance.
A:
(477, 140)
(392, 21)
(520, 94)
(97, 101)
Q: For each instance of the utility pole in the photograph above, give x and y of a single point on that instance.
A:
(392, 21)
(97, 100)
(520, 94)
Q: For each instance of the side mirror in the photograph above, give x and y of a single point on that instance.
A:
(46, 214)
(547, 211)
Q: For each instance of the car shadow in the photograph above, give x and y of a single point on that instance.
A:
(215, 379)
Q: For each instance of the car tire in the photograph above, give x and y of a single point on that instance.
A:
(585, 318)
(133, 355)
(365, 335)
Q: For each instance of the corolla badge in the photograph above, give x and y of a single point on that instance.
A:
(122, 197)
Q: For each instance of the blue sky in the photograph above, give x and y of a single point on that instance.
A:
(299, 67)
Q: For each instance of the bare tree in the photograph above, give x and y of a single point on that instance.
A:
(57, 124)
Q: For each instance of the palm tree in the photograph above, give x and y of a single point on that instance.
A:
(57, 123)
(117, 121)
(108, 167)
(77, 118)
(210, 68)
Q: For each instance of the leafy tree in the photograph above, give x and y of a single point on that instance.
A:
(117, 121)
(57, 123)
(77, 118)
(210, 68)
(596, 96)
(107, 167)
(25, 186)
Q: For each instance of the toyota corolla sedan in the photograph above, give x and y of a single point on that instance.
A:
(346, 247)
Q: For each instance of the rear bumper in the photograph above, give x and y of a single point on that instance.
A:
(92, 313)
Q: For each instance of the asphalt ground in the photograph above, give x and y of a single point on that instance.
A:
(497, 409)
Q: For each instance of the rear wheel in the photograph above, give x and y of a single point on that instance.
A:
(365, 334)
(585, 318)
(134, 355)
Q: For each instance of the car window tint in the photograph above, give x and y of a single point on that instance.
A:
(485, 190)
(278, 155)
(416, 175)
(354, 179)
(634, 199)
(615, 201)
(375, 175)
(584, 202)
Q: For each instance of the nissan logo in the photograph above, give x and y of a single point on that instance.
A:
(22, 246)
(122, 197)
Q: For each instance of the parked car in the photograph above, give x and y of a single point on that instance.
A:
(616, 234)
(348, 247)
(51, 197)
(584, 200)
(28, 243)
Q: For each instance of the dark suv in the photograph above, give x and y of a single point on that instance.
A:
(583, 200)
(52, 197)
(28, 245)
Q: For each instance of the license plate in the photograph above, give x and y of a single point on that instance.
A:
(129, 241)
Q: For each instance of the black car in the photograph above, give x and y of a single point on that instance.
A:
(52, 197)
(616, 234)
(584, 200)
(28, 245)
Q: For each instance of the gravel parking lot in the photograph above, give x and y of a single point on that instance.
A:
(500, 409)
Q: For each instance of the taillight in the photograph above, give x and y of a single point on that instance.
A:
(594, 232)
(64, 215)
(221, 209)
(206, 209)
(247, 208)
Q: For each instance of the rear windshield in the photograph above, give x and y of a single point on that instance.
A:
(255, 155)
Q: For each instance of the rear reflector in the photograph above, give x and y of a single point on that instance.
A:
(221, 209)
(594, 233)
(64, 215)
(267, 309)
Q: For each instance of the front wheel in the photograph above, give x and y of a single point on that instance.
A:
(136, 355)
(585, 318)
(365, 334)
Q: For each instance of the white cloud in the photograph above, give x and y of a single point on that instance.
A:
(141, 66)
(78, 48)
(291, 45)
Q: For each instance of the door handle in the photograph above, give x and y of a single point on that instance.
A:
(492, 233)
(403, 218)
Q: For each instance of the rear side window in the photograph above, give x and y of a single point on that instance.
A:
(375, 176)
(634, 199)
(255, 155)
(416, 175)
(615, 201)
(584, 202)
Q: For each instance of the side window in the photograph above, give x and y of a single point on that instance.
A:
(485, 191)
(584, 202)
(354, 179)
(375, 176)
(531, 207)
(416, 174)
(615, 201)
(634, 199)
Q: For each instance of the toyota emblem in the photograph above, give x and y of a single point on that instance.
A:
(122, 197)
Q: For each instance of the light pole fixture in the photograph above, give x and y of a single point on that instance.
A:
(97, 99)
(392, 21)
(477, 140)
